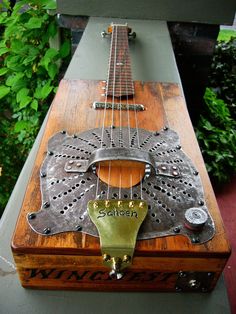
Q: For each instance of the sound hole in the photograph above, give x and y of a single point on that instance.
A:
(122, 173)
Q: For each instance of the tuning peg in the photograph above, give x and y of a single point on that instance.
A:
(132, 35)
(104, 34)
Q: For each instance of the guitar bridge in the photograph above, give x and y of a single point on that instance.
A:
(118, 223)
(118, 106)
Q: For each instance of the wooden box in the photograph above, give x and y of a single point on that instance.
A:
(73, 260)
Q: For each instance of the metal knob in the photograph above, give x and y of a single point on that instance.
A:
(195, 218)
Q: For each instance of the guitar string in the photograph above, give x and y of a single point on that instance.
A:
(120, 130)
(113, 104)
(104, 111)
(128, 111)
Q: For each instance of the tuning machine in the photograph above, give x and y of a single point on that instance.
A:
(132, 35)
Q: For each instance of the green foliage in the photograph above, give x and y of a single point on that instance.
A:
(223, 74)
(28, 80)
(216, 133)
(226, 34)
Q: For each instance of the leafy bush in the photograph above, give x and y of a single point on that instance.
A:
(216, 133)
(223, 74)
(29, 70)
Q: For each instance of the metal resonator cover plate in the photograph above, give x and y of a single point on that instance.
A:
(173, 189)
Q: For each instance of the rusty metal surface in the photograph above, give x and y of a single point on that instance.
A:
(65, 194)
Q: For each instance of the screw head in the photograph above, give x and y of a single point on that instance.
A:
(182, 274)
(78, 228)
(176, 229)
(47, 230)
(32, 216)
(106, 257)
(46, 205)
(126, 258)
(195, 240)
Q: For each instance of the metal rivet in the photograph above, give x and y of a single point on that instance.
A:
(175, 173)
(163, 168)
(178, 147)
(74, 136)
(47, 230)
(176, 229)
(119, 203)
(141, 204)
(63, 132)
(156, 133)
(32, 216)
(71, 162)
(50, 153)
(78, 164)
(112, 127)
(46, 205)
(195, 173)
(107, 203)
(204, 289)
(78, 228)
(95, 205)
(165, 128)
(178, 289)
(69, 167)
(201, 202)
(43, 175)
(174, 168)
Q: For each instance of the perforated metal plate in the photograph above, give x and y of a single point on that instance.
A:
(65, 194)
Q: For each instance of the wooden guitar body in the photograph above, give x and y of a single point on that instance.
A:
(73, 260)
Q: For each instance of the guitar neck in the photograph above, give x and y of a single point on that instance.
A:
(119, 82)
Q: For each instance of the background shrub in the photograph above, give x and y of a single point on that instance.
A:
(29, 69)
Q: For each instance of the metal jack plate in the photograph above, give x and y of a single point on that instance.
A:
(118, 222)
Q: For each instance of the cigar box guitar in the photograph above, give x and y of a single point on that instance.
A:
(122, 206)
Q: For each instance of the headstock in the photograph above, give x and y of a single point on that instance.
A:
(131, 35)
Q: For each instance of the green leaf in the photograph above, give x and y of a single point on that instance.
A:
(65, 49)
(46, 90)
(50, 5)
(4, 90)
(21, 94)
(3, 71)
(25, 101)
(52, 70)
(34, 104)
(34, 22)
(21, 125)
(50, 54)
(13, 79)
(3, 50)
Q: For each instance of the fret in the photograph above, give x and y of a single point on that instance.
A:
(119, 82)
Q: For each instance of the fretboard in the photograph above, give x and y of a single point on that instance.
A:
(119, 80)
